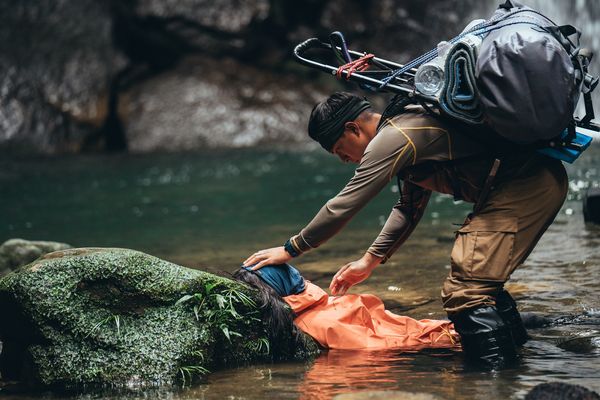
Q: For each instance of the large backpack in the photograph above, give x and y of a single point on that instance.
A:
(529, 75)
(520, 74)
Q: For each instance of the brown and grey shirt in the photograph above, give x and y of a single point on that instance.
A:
(428, 154)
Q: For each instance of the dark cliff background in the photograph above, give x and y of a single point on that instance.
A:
(174, 75)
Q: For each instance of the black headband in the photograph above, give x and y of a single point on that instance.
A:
(329, 131)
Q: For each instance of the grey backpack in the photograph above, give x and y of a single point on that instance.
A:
(529, 75)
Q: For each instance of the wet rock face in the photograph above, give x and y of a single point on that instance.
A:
(120, 317)
(79, 74)
(17, 252)
(396, 30)
(55, 65)
(223, 15)
(207, 103)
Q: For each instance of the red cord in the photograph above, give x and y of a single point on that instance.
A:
(360, 64)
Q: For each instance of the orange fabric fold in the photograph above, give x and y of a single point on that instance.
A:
(361, 322)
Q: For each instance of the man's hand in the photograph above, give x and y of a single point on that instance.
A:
(272, 256)
(353, 273)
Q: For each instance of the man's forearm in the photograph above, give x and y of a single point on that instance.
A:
(403, 219)
(402, 237)
(395, 232)
(338, 211)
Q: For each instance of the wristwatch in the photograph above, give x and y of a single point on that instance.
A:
(289, 247)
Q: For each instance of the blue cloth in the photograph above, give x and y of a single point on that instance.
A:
(567, 154)
(285, 279)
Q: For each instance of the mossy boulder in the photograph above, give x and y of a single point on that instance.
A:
(117, 317)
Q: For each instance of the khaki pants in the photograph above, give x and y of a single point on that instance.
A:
(498, 239)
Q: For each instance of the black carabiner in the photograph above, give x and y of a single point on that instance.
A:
(343, 55)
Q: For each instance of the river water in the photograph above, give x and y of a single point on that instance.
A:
(211, 210)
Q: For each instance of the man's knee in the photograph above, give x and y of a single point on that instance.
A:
(481, 262)
(459, 295)
(484, 249)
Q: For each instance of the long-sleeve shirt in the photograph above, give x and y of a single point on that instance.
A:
(428, 154)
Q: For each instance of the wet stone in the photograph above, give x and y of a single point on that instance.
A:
(224, 15)
(56, 64)
(17, 252)
(582, 345)
(122, 318)
(209, 104)
(591, 206)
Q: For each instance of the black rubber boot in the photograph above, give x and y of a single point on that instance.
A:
(507, 307)
(485, 338)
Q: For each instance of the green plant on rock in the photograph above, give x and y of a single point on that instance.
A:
(113, 317)
(260, 346)
(189, 372)
(221, 307)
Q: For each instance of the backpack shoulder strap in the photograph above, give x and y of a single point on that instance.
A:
(396, 106)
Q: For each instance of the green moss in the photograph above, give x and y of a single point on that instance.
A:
(121, 317)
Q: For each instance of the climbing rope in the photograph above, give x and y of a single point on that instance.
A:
(360, 64)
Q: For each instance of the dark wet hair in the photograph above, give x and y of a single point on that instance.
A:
(284, 336)
(327, 119)
(561, 391)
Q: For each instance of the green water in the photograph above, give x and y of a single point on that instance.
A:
(211, 210)
(196, 209)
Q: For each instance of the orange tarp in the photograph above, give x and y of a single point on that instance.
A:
(361, 322)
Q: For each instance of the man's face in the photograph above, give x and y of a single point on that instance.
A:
(351, 146)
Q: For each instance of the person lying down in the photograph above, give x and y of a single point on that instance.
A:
(353, 321)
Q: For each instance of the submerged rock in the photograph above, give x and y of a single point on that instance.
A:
(589, 344)
(115, 317)
(533, 321)
(560, 391)
(17, 252)
(386, 395)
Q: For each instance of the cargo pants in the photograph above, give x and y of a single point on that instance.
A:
(492, 243)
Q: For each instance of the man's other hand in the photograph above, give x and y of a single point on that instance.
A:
(352, 273)
(272, 256)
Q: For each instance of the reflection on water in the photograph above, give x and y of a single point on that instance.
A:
(212, 210)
